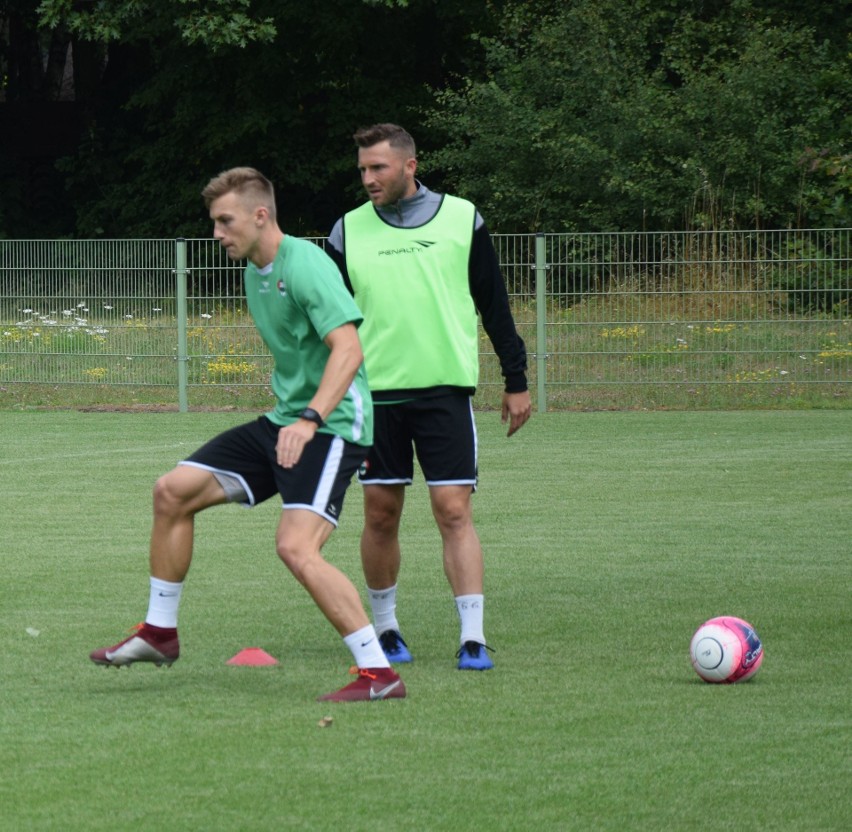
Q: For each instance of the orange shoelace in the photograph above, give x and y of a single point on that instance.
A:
(362, 671)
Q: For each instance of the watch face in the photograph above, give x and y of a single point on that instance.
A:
(312, 416)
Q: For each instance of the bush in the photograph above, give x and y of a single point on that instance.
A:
(815, 278)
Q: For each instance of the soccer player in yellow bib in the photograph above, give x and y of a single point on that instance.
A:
(422, 268)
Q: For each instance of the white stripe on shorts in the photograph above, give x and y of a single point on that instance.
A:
(327, 478)
(358, 402)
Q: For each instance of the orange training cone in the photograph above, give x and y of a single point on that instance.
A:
(252, 657)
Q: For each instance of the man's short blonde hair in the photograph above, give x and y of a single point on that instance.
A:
(250, 184)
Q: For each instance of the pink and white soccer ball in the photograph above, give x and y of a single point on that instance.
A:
(726, 650)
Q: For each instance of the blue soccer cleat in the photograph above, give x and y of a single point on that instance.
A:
(395, 648)
(473, 656)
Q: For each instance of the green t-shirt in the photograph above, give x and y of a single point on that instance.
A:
(295, 302)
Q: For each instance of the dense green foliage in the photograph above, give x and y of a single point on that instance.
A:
(589, 114)
(606, 115)
(169, 102)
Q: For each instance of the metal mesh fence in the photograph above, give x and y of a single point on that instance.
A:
(223, 346)
(609, 319)
(712, 315)
(87, 312)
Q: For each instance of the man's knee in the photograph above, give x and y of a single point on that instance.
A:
(167, 496)
(382, 512)
(453, 511)
(184, 491)
(295, 555)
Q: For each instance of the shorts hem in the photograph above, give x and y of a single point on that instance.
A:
(247, 503)
(307, 507)
(469, 482)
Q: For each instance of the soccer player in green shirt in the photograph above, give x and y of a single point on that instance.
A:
(306, 449)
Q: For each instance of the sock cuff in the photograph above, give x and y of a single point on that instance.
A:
(165, 586)
(381, 594)
(363, 634)
(470, 599)
(365, 648)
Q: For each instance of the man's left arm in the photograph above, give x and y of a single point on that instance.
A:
(488, 290)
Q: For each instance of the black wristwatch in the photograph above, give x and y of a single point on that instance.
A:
(311, 415)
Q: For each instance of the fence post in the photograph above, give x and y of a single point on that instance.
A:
(182, 359)
(540, 320)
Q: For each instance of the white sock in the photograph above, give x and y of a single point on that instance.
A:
(365, 648)
(470, 609)
(383, 606)
(163, 603)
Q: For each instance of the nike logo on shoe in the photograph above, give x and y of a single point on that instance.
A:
(382, 693)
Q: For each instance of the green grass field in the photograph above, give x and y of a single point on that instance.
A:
(609, 537)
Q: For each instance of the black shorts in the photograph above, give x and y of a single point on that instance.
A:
(244, 461)
(441, 430)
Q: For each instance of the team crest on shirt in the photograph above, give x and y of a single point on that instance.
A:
(282, 288)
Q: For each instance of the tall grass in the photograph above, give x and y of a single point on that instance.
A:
(622, 351)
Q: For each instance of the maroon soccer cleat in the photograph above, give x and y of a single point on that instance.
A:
(159, 645)
(373, 683)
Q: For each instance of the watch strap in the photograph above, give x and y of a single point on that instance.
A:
(311, 415)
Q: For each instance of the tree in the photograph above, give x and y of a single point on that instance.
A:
(550, 115)
(217, 24)
(33, 84)
(603, 115)
(185, 89)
